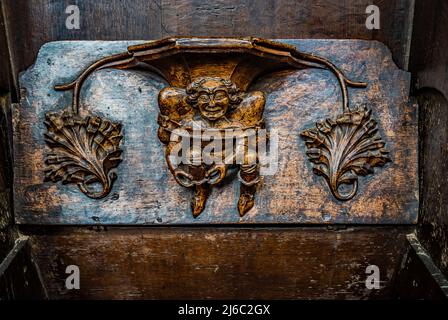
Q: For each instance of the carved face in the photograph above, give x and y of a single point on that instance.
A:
(213, 102)
(213, 96)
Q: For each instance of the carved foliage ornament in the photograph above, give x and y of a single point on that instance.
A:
(84, 150)
(344, 148)
(208, 79)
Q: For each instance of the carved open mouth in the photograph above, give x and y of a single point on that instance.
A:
(213, 114)
(213, 109)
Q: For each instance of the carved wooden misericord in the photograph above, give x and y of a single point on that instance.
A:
(208, 96)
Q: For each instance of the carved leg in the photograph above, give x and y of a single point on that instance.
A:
(199, 199)
(249, 177)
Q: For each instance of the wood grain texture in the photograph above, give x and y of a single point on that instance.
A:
(34, 23)
(429, 54)
(433, 231)
(145, 193)
(429, 66)
(19, 275)
(7, 232)
(418, 277)
(6, 79)
(218, 263)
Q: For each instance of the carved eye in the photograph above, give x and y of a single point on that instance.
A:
(220, 95)
(204, 98)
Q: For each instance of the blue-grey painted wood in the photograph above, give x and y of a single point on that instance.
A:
(146, 193)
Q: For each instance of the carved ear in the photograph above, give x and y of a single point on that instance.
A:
(172, 103)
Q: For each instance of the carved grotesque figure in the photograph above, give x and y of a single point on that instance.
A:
(217, 107)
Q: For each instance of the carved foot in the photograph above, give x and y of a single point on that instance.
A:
(247, 199)
(199, 199)
(249, 178)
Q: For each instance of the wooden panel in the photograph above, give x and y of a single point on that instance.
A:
(419, 277)
(6, 82)
(7, 233)
(19, 275)
(34, 23)
(429, 54)
(433, 232)
(429, 65)
(145, 193)
(220, 263)
(6, 216)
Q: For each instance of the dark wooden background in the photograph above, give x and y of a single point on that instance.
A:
(417, 36)
(31, 23)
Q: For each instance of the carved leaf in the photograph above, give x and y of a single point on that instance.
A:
(344, 149)
(84, 150)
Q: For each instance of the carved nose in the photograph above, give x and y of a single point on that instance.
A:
(211, 103)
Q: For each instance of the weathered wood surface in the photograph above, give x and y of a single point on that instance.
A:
(433, 231)
(19, 275)
(428, 59)
(7, 232)
(145, 193)
(218, 263)
(7, 84)
(31, 24)
(429, 67)
(418, 276)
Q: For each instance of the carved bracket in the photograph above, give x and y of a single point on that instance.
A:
(208, 96)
